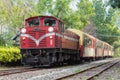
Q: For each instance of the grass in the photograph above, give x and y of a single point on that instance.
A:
(3, 67)
(77, 71)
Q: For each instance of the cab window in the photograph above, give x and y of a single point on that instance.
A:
(33, 22)
(49, 22)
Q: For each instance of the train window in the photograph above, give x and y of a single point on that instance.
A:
(87, 42)
(49, 22)
(99, 44)
(33, 22)
(106, 47)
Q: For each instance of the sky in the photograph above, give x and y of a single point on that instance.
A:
(73, 4)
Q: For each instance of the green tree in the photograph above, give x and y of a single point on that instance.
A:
(13, 14)
(86, 11)
(2, 41)
(57, 8)
(103, 21)
(115, 3)
(116, 45)
(44, 6)
(61, 9)
(116, 18)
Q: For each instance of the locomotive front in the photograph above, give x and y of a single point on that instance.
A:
(38, 40)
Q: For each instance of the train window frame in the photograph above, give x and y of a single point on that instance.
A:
(33, 25)
(47, 24)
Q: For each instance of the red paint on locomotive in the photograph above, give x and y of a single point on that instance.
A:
(45, 35)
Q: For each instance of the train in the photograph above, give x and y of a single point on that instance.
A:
(44, 41)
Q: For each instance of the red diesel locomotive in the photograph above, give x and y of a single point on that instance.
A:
(45, 42)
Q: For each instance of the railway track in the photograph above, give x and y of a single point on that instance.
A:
(90, 73)
(14, 71)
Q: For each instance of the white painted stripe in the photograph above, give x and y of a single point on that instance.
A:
(40, 39)
(66, 37)
(46, 35)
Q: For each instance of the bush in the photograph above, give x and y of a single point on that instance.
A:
(9, 54)
(117, 52)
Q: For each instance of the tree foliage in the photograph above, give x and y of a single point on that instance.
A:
(2, 41)
(116, 18)
(61, 9)
(86, 11)
(103, 21)
(115, 3)
(14, 12)
(116, 45)
(44, 6)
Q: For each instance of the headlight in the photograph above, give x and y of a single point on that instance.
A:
(50, 29)
(51, 37)
(23, 38)
(23, 30)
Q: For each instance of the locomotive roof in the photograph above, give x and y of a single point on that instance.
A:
(43, 17)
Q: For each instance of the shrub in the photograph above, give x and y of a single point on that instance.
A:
(9, 54)
(117, 52)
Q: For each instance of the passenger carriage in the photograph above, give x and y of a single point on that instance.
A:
(106, 50)
(99, 49)
(110, 51)
(87, 44)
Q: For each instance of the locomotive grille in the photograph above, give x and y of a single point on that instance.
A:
(43, 42)
(34, 34)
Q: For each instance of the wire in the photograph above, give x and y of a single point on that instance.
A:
(108, 35)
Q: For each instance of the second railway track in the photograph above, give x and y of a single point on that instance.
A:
(14, 71)
(90, 73)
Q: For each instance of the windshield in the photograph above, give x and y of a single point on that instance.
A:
(49, 22)
(33, 22)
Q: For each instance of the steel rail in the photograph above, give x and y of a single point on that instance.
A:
(14, 71)
(90, 73)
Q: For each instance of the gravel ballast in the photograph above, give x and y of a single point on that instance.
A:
(111, 74)
(52, 73)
